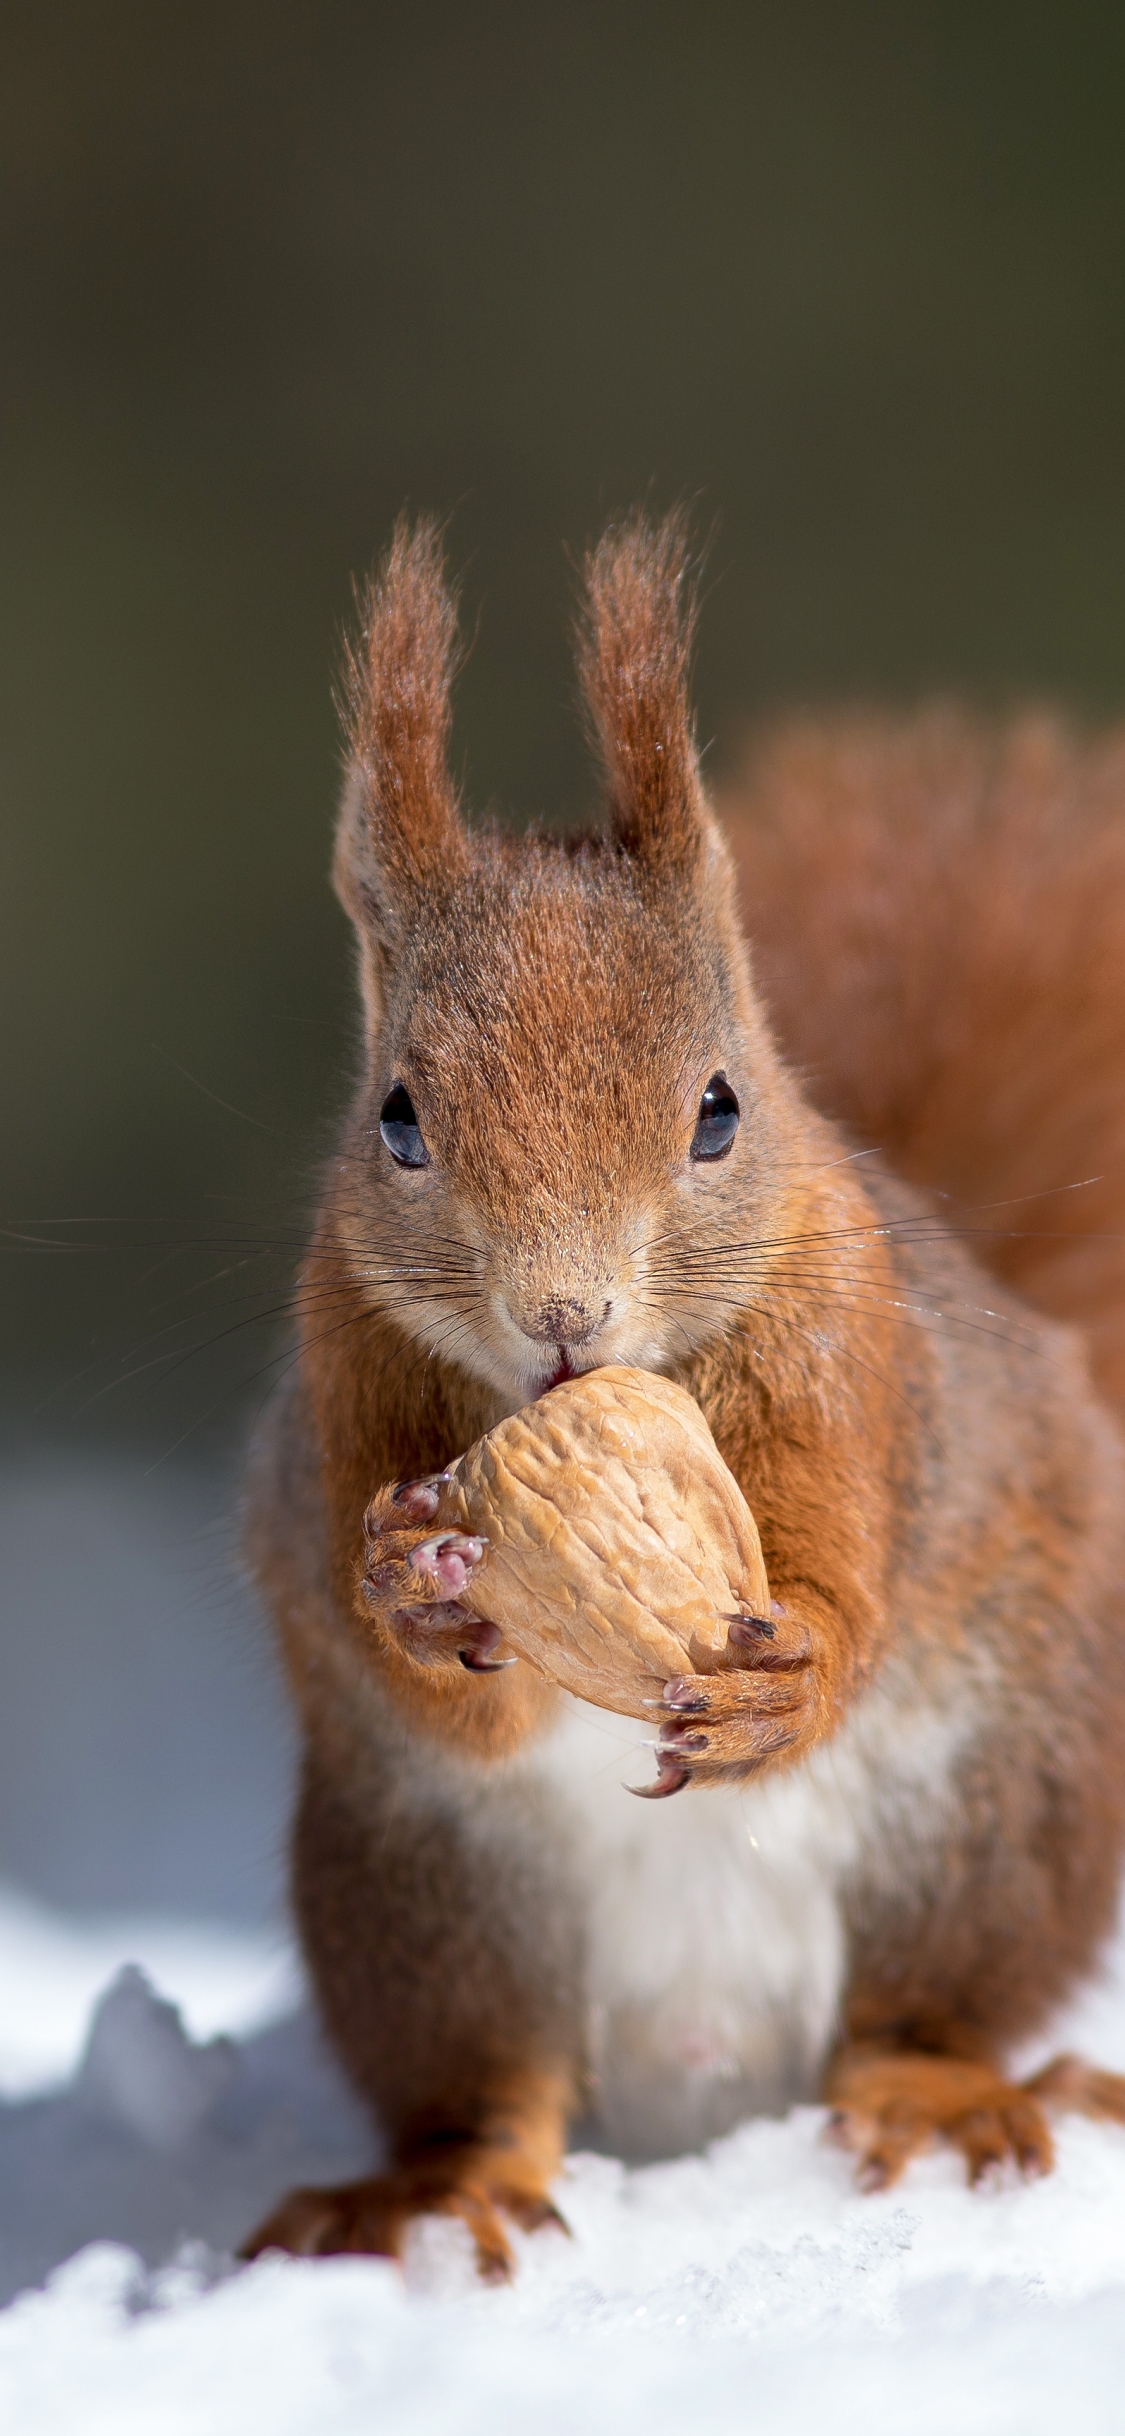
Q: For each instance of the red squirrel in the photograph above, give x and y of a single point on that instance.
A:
(595, 1126)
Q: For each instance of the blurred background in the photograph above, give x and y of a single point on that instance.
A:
(851, 279)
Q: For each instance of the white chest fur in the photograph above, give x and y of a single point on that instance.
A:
(714, 1925)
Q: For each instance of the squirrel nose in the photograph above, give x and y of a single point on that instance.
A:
(562, 1322)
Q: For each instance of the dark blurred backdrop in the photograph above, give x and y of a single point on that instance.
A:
(849, 275)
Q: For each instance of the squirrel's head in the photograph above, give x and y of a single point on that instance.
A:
(571, 1119)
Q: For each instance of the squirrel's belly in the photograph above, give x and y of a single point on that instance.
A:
(714, 1922)
(714, 1940)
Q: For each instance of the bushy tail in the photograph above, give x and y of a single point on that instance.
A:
(937, 908)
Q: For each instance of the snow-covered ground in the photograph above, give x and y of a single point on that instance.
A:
(751, 2289)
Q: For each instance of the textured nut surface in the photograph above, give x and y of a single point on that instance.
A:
(619, 1545)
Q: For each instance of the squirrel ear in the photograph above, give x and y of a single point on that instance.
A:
(399, 823)
(634, 647)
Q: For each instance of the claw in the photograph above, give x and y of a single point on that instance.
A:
(533, 2214)
(492, 2268)
(680, 1737)
(440, 1634)
(476, 1650)
(683, 1693)
(476, 1656)
(747, 1631)
(672, 1778)
(448, 1543)
(416, 1501)
(413, 1501)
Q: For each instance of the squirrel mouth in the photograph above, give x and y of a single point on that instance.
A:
(564, 1371)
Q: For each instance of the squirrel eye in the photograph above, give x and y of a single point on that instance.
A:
(717, 1122)
(400, 1129)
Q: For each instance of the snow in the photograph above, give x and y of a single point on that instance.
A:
(51, 1971)
(750, 2289)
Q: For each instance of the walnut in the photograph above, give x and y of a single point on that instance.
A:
(619, 1549)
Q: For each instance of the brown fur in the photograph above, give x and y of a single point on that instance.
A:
(634, 648)
(937, 909)
(938, 1493)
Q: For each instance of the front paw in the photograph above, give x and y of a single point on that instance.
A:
(723, 1728)
(414, 1579)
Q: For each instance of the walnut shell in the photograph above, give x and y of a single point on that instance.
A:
(620, 1548)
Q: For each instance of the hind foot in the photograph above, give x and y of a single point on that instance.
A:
(888, 2105)
(372, 2217)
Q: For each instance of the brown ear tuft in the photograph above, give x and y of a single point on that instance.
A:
(400, 824)
(634, 648)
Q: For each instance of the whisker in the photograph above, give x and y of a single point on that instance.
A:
(849, 1355)
(863, 1292)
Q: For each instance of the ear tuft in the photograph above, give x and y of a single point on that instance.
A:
(400, 824)
(634, 650)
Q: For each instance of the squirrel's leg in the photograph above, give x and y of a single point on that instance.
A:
(447, 1969)
(786, 1679)
(502, 2168)
(890, 2102)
